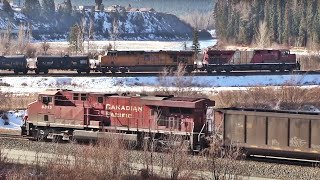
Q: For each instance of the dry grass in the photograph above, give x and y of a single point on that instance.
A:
(10, 101)
(310, 62)
(282, 98)
(111, 159)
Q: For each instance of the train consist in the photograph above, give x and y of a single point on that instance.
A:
(65, 115)
(156, 61)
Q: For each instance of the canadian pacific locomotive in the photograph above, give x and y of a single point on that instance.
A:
(64, 114)
(232, 60)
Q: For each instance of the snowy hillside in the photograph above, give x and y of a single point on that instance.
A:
(131, 25)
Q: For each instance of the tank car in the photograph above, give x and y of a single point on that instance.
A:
(234, 60)
(288, 134)
(69, 115)
(16, 63)
(78, 63)
(146, 61)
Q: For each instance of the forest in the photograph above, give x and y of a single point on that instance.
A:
(265, 23)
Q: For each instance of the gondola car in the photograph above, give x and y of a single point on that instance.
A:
(16, 63)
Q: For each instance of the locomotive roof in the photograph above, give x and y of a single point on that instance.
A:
(149, 100)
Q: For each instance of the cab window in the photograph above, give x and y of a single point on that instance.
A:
(46, 99)
(100, 99)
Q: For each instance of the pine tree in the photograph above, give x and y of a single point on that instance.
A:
(48, 8)
(195, 44)
(32, 8)
(69, 6)
(6, 6)
(98, 4)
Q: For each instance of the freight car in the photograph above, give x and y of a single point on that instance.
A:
(288, 134)
(78, 63)
(16, 63)
(233, 60)
(66, 115)
(146, 61)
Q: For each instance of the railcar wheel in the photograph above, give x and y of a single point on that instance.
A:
(25, 72)
(16, 71)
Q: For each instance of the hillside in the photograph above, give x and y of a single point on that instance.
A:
(131, 25)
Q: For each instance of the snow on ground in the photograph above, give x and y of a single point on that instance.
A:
(14, 118)
(145, 84)
(135, 45)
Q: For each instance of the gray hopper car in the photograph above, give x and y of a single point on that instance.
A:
(271, 133)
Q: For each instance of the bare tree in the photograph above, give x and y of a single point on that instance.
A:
(90, 32)
(45, 47)
(115, 30)
(22, 39)
(263, 35)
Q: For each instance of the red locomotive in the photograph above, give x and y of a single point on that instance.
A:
(66, 114)
(233, 60)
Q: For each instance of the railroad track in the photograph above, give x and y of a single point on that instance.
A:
(12, 136)
(283, 160)
(253, 158)
(152, 74)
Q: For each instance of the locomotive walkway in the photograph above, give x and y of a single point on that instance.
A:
(37, 158)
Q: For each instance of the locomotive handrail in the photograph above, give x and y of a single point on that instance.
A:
(204, 124)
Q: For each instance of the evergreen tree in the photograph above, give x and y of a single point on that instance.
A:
(98, 4)
(48, 8)
(195, 44)
(68, 8)
(32, 8)
(6, 6)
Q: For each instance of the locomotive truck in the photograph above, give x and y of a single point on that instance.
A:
(65, 115)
